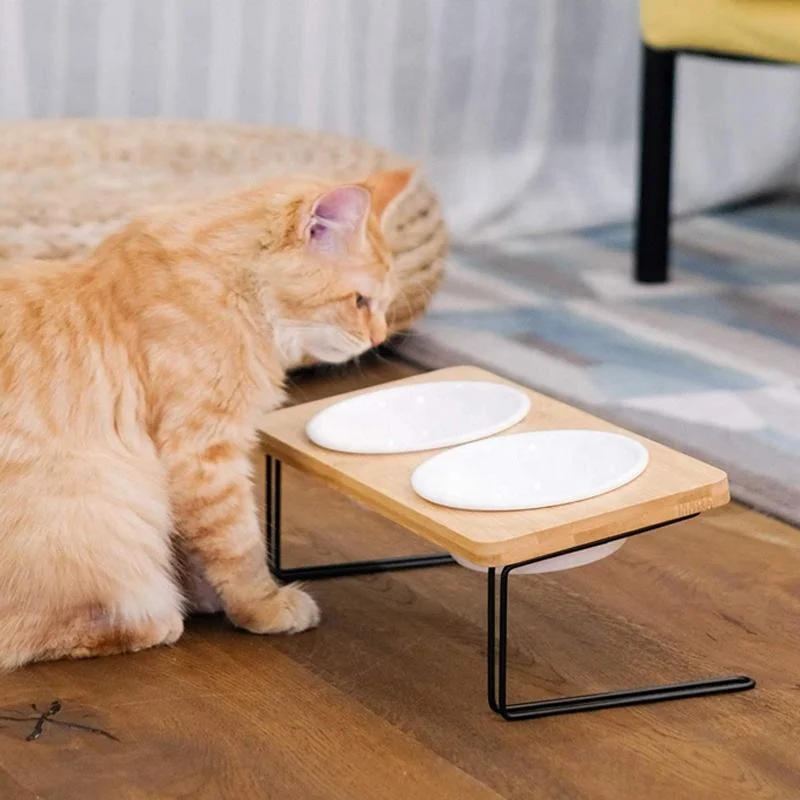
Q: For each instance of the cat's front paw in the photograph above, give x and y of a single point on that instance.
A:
(290, 610)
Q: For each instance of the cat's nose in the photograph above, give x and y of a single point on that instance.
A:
(377, 334)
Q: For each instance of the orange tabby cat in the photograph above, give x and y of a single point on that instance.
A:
(130, 389)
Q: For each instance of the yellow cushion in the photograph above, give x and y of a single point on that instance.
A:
(757, 28)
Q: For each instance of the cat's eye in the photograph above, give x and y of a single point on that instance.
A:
(361, 301)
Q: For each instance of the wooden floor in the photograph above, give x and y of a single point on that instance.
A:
(387, 698)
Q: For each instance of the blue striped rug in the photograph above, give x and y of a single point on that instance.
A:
(709, 363)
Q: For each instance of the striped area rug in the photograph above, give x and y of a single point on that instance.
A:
(709, 363)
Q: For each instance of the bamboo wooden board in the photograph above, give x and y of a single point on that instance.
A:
(673, 486)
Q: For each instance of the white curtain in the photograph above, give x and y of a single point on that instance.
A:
(524, 112)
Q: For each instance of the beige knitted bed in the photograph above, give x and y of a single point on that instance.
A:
(66, 184)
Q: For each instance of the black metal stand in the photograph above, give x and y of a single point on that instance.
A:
(497, 661)
(342, 570)
(497, 624)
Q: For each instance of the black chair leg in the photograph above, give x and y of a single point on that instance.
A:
(652, 228)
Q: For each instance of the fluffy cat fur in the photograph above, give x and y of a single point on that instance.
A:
(130, 389)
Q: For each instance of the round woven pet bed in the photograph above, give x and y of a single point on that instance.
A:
(66, 184)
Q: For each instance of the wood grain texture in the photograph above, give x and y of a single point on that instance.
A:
(387, 699)
(673, 486)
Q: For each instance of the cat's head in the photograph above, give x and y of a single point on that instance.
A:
(330, 270)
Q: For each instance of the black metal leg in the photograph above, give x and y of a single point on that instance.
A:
(655, 163)
(273, 534)
(497, 666)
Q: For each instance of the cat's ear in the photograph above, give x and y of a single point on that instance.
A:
(338, 220)
(388, 187)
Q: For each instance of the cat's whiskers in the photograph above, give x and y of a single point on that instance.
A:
(303, 324)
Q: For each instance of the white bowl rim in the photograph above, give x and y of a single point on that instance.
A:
(522, 411)
(624, 478)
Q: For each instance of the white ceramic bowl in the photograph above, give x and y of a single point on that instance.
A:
(558, 563)
(418, 416)
(530, 470)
